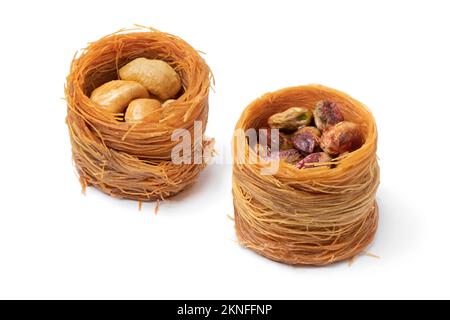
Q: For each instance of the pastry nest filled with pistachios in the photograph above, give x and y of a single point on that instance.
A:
(126, 94)
(318, 207)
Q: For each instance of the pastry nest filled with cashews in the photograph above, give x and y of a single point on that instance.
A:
(127, 93)
(307, 215)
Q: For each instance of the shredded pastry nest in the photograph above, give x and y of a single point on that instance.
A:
(312, 216)
(133, 161)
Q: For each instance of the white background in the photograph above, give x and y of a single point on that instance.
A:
(55, 243)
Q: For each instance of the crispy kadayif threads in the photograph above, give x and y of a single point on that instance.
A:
(133, 160)
(314, 216)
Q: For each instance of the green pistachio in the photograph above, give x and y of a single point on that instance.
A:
(311, 160)
(343, 137)
(327, 113)
(285, 142)
(291, 119)
(307, 140)
(291, 156)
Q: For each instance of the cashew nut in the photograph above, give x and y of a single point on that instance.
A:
(168, 102)
(157, 76)
(139, 110)
(114, 96)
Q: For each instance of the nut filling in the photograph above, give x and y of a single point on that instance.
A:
(145, 88)
(305, 143)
